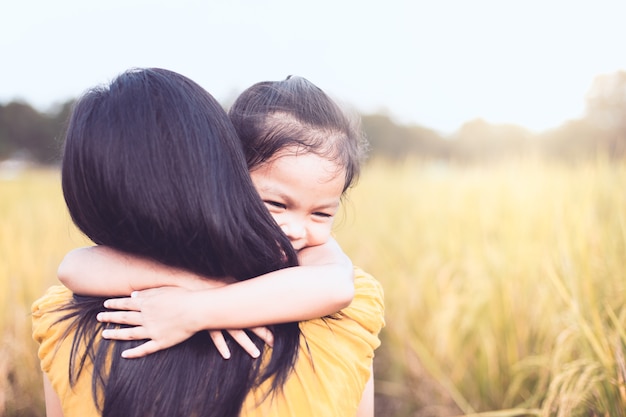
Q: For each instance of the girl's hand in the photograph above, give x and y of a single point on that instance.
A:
(157, 314)
(165, 317)
(242, 339)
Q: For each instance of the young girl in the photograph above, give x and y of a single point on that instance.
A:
(303, 154)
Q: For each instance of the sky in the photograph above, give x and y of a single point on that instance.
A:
(435, 63)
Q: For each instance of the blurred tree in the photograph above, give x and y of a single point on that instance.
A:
(25, 131)
(479, 141)
(574, 141)
(606, 109)
(394, 141)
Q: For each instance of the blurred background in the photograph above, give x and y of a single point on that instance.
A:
(492, 208)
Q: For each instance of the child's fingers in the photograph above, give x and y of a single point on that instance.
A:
(132, 318)
(265, 334)
(128, 333)
(244, 341)
(127, 303)
(220, 343)
(141, 350)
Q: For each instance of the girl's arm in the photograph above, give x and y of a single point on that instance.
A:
(168, 315)
(322, 285)
(102, 271)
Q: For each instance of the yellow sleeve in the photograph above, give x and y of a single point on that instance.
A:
(44, 317)
(368, 305)
(54, 353)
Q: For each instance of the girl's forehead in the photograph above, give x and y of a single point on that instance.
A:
(302, 153)
(304, 162)
(305, 166)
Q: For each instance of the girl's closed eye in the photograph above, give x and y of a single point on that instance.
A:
(275, 204)
(323, 215)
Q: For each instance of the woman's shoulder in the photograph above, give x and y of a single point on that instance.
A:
(368, 306)
(50, 299)
(366, 285)
(51, 333)
(356, 328)
(45, 314)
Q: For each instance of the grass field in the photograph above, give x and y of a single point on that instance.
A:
(504, 285)
(35, 233)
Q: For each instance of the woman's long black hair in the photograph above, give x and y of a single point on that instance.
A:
(152, 166)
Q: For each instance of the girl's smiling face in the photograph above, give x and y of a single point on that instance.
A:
(302, 192)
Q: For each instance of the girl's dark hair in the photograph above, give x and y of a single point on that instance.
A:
(152, 166)
(294, 115)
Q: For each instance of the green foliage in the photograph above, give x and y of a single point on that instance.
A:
(602, 131)
(32, 135)
(606, 110)
(387, 139)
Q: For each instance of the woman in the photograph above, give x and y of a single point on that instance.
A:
(152, 167)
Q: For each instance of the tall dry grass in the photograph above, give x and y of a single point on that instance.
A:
(504, 285)
(35, 233)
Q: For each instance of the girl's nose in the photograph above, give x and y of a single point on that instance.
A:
(294, 230)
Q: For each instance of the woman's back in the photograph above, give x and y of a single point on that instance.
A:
(153, 167)
(328, 379)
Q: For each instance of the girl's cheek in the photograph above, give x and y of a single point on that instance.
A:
(323, 235)
(276, 217)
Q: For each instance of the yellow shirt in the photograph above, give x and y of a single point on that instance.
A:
(327, 382)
